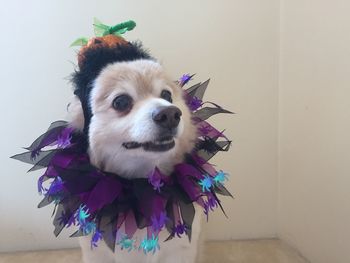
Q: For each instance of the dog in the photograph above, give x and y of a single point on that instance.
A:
(139, 121)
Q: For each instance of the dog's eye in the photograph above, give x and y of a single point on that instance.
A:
(122, 103)
(166, 95)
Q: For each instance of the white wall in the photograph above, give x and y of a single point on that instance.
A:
(314, 211)
(234, 42)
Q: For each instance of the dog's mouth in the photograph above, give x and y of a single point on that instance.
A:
(160, 145)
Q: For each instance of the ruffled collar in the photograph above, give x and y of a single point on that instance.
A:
(109, 207)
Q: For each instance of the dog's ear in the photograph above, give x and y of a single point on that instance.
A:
(75, 114)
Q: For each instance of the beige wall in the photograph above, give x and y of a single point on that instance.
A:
(232, 41)
(314, 125)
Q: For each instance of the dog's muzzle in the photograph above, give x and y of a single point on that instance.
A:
(167, 118)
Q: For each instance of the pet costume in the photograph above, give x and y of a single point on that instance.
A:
(105, 205)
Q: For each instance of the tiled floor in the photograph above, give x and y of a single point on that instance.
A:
(252, 251)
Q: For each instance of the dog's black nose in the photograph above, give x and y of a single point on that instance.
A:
(167, 116)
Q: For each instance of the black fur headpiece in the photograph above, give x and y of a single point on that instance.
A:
(95, 59)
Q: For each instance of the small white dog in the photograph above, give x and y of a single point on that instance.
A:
(139, 121)
(130, 120)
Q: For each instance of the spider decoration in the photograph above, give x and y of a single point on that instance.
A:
(206, 183)
(82, 215)
(89, 228)
(149, 245)
(54, 192)
(85, 226)
(159, 222)
(126, 243)
(96, 237)
(179, 229)
(55, 187)
(155, 180)
(185, 78)
(194, 103)
(210, 205)
(66, 219)
(220, 177)
(34, 154)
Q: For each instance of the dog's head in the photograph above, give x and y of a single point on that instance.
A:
(139, 119)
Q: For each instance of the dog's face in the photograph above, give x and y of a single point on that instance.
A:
(140, 120)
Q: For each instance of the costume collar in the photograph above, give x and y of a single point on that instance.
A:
(109, 207)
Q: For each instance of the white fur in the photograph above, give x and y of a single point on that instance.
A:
(143, 80)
